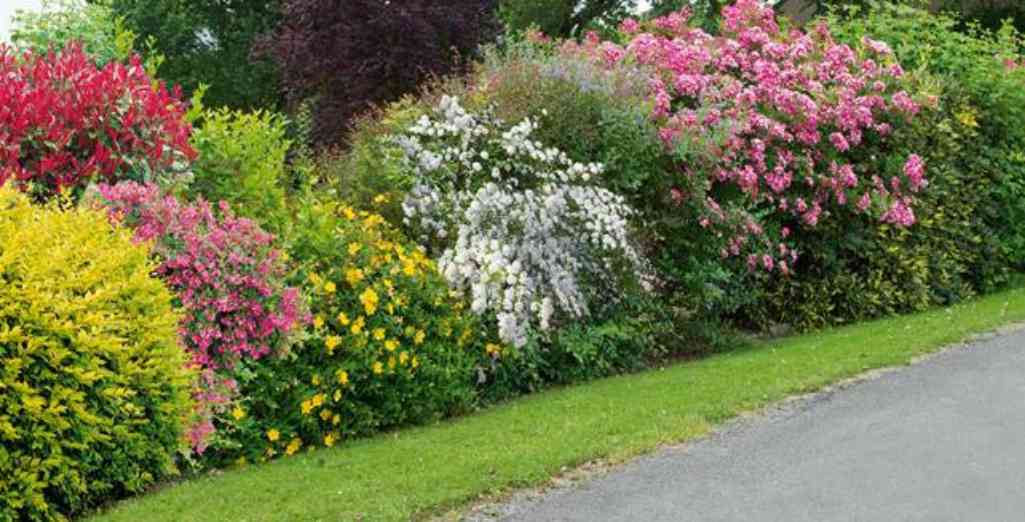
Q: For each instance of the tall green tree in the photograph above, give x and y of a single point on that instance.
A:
(563, 18)
(209, 41)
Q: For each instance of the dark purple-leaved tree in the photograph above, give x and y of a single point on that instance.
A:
(348, 55)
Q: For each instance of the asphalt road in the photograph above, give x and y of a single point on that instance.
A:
(942, 440)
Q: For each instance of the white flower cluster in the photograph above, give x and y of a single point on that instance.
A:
(525, 231)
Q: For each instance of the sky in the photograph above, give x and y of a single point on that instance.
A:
(7, 9)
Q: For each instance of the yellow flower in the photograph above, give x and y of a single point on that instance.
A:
(409, 268)
(306, 407)
(343, 319)
(348, 213)
(357, 327)
(273, 435)
(329, 287)
(493, 349)
(336, 419)
(403, 358)
(378, 334)
(392, 362)
(325, 415)
(318, 399)
(381, 198)
(332, 342)
(293, 446)
(329, 440)
(338, 396)
(315, 380)
(353, 276)
(354, 248)
(314, 278)
(415, 362)
(419, 337)
(391, 345)
(238, 413)
(369, 299)
(318, 322)
(343, 377)
(378, 368)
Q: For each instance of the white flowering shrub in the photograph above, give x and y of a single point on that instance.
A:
(527, 233)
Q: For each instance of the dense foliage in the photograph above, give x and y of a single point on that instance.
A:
(981, 85)
(561, 19)
(209, 42)
(387, 346)
(241, 160)
(94, 389)
(93, 26)
(68, 122)
(483, 222)
(228, 278)
(969, 234)
(347, 55)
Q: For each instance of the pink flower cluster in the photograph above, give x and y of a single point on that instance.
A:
(225, 272)
(229, 280)
(779, 116)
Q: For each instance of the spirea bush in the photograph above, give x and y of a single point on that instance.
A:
(388, 345)
(528, 234)
(767, 125)
(68, 123)
(226, 275)
(93, 387)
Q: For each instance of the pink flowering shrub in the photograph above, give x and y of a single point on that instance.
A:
(228, 278)
(767, 126)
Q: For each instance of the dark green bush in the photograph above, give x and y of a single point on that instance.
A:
(969, 231)
(977, 87)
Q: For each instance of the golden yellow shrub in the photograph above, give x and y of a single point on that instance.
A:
(93, 390)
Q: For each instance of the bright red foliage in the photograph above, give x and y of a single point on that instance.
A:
(65, 122)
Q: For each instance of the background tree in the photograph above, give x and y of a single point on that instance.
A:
(563, 18)
(208, 41)
(347, 55)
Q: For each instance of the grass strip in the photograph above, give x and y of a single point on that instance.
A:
(425, 470)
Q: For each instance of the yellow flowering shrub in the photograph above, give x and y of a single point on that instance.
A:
(93, 390)
(387, 344)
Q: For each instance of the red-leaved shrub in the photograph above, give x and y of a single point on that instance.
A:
(65, 122)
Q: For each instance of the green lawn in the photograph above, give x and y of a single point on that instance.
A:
(424, 470)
